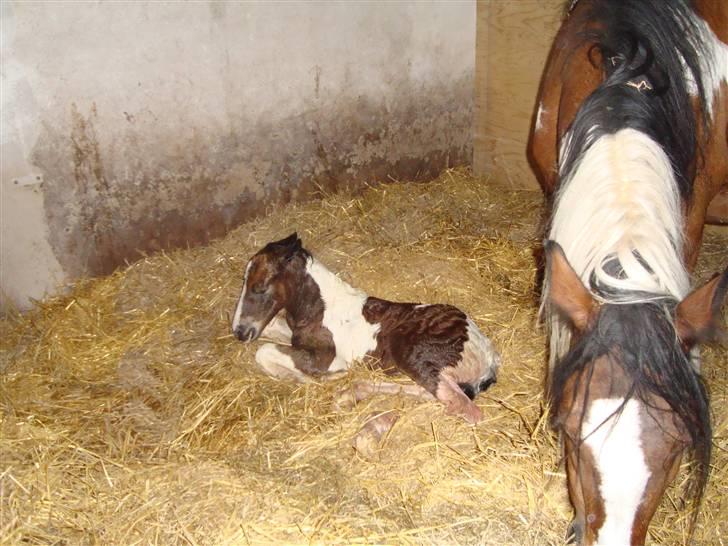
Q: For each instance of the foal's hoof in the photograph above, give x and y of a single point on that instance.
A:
(473, 415)
(347, 398)
(470, 412)
(345, 401)
(367, 440)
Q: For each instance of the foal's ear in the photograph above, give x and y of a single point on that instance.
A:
(288, 245)
(696, 317)
(287, 242)
(565, 289)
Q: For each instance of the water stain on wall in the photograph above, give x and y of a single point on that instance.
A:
(111, 196)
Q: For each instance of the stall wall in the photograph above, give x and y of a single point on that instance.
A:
(129, 127)
(513, 41)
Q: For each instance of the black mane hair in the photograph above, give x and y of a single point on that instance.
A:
(650, 41)
(641, 339)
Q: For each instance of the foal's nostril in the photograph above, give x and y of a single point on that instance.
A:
(246, 333)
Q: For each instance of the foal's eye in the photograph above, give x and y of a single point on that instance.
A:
(258, 289)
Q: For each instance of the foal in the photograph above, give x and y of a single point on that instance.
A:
(327, 325)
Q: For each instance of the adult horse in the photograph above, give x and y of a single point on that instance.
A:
(630, 143)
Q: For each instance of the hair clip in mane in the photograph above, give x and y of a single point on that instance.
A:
(642, 85)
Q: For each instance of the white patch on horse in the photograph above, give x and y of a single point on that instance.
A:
(614, 440)
(239, 307)
(539, 116)
(714, 67)
(353, 336)
(277, 364)
(621, 198)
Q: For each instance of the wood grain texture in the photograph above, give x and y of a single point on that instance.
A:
(512, 43)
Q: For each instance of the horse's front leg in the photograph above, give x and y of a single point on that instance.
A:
(298, 364)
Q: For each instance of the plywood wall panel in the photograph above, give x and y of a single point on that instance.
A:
(512, 43)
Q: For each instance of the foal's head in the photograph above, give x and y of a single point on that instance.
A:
(628, 399)
(270, 280)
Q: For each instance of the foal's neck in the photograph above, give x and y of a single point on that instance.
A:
(317, 288)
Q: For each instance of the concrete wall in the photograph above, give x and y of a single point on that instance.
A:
(135, 126)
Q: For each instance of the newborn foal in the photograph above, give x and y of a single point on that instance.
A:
(327, 325)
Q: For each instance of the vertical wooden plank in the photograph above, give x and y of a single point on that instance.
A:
(513, 38)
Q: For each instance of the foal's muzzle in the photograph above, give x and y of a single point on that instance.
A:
(246, 333)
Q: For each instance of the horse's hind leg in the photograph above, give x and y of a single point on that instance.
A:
(361, 390)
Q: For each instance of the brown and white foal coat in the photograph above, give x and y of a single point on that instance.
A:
(326, 325)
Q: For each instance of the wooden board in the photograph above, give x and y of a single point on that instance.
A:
(512, 43)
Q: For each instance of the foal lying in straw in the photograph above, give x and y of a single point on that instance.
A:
(327, 324)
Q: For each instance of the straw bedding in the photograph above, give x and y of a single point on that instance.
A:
(130, 415)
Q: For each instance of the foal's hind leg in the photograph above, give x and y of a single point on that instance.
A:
(367, 440)
(361, 390)
(456, 402)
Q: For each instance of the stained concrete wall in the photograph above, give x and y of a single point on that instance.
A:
(153, 125)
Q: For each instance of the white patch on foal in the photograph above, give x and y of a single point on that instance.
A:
(353, 336)
(277, 330)
(479, 360)
(620, 461)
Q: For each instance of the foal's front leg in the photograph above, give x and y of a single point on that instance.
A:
(302, 365)
(278, 330)
(276, 362)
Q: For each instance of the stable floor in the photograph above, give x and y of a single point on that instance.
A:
(130, 415)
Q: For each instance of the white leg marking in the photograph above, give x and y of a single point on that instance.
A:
(620, 461)
(279, 365)
(347, 398)
(239, 307)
